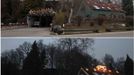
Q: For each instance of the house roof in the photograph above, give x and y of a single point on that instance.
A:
(95, 4)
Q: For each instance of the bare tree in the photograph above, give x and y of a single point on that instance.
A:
(24, 48)
(51, 50)
(108, 59)
(69, 43)
(120, 65)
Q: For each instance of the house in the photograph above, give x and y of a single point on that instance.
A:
(98, 70)
(82, 72)
(95, 8)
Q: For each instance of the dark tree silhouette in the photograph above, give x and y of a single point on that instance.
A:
(22, 51)
(109, 62)
(25, 48)
(108, 59)
(128, 6)
(32, 63)
(10, 10)
(73, 60)
(9, 63)
(70, 43)
(30, 59)
(9, 68)
(128, 66)
(44, 60)
(120, 65)
(31, 4)
(51, 50)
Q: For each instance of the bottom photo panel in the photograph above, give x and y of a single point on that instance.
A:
(67, 56)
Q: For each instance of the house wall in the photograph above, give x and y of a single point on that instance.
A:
(108, 14)
(85, 11)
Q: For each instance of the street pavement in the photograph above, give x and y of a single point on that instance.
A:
(44, 32)
(105, 34)
(25, 32)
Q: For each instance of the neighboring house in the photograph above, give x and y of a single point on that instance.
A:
(83, 71)
(95, 71)
(94, 9)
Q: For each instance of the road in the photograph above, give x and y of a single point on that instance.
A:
(44, 32)
(25, 32)
(105, 34)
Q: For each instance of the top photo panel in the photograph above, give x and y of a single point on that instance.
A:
(67, 18)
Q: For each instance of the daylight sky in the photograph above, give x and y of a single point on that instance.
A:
(117, 47)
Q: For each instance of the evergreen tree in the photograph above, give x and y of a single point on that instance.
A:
(32, 63)
(128, 66)
(9, 63)
(128, 6)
